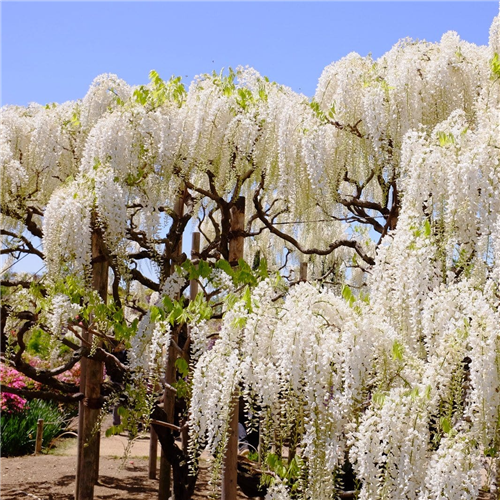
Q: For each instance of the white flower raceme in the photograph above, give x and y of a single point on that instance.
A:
(62, 310)
(483, 404)
(110, 208)
(277, 491)
(454, 471)
(102, 95)
(147, 352)
(39, 148)
(149, 345)
(67, 229)
(173, 286)
(311, 354)
(217, 374)
(390, 450)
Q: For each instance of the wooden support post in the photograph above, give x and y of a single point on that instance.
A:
(92, 374)
(195, 250)
(81, 436)
(39, 436)
(236, 242)
(303, 271)
(236, 252)
(165, 486)
(153, 452)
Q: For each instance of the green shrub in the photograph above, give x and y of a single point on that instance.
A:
(18, 429)
(39, 343)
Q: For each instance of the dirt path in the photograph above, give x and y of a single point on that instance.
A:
(52, 476)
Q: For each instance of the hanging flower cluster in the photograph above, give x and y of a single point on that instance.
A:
(357, 388)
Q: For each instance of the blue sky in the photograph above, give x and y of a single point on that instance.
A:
(51, 51)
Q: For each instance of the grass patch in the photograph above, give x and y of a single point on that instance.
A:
(18, 429)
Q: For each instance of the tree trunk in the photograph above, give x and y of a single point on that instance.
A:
(236, 251)
(90, 383)
(165, 486)
(184, 483)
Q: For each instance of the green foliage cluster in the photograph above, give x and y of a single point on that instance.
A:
(287, 471)
(18, 429)
(159, 92)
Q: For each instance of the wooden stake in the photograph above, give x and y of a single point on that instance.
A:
(39, 436)
(153, 452)
(81, 436)
(236, 252)
(92, 374)
(169, 406)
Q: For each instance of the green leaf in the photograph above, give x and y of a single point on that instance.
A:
(190, 268)
(244, 274)
(199, 306)
(75, 122)
(414, 393)
(119, 330)
(122, 411)
(397, 350)
(247, 297)
(182, 367)
(225, 266)
(348, 296)
(204, 269)
(378, 398)
(427, 228)
(364, 297)
(445, 138)
(317, 110)
(445, 424)
(231, 300)
(182, 388)
(167, 303)
(262, 270)
(427, 392)
(332, 111)
(495, 67)
(113, 430)
(239, 323)
(155, 314)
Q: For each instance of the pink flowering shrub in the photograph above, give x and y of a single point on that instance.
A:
(10, 403)
(71, 376)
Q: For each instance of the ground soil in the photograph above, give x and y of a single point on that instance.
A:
(51, 475)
